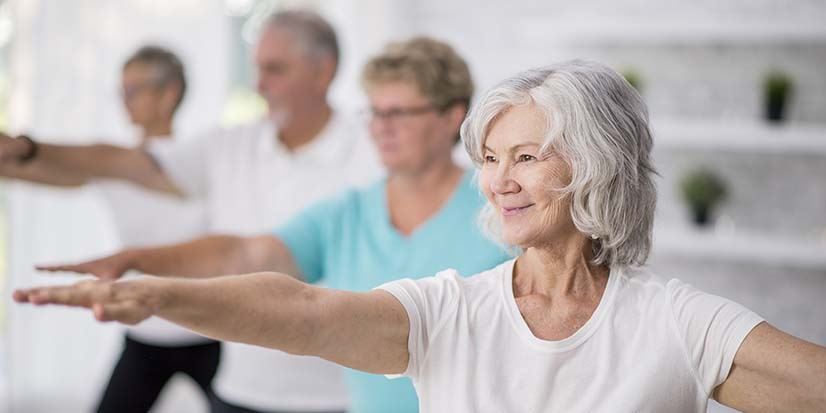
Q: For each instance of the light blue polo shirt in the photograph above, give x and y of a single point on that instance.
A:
(349, 243)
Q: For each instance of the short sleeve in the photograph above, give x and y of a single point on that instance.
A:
(712, 329)
(308, 235)
(429, 303)
(185, 162)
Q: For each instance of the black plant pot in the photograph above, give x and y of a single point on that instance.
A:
(701, 216)
(775, 109)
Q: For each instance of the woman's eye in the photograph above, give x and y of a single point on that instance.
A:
(526, 158)
(490, 158)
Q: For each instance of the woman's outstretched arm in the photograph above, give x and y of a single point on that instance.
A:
(774, 371)
(365, 331)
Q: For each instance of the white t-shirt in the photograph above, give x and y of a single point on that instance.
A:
(651, 346)
(252, 184)
(142, 218)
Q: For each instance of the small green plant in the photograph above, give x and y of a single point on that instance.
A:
(777, 90)
(702, 190)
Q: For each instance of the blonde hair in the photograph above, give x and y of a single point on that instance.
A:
(440, 74)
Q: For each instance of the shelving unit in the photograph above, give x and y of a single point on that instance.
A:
(652, 29)
(740, 246)
(739, 136)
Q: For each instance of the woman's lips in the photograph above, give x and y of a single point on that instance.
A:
(514, 210)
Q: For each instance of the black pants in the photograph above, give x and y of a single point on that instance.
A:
(143, 370)
(219, 406)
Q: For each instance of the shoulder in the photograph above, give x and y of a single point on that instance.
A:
(687, 305)
(488, 280)
(642, 283)
(673, 290)
(641, 279)
(641, 291)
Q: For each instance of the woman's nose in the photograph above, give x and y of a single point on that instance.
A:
(503, 182)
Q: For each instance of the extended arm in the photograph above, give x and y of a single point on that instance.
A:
(364, 331)
(774, 371)
(65, 165)
(204, 257)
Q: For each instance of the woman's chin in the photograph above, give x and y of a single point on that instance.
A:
(515, 240)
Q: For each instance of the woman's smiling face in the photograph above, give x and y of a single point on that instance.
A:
(522, 183)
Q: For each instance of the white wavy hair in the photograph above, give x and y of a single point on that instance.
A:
(599, 124)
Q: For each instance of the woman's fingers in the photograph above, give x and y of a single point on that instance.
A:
(21, 296)
(81, 294)
(129, 312)
(108, 300)
(77, 295)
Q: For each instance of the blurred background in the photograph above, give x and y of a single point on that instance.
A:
(736, 90)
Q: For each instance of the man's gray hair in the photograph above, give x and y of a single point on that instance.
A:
(315, 34)
(599, 124)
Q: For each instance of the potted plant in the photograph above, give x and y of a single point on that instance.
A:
(702, 190)
(777, 90)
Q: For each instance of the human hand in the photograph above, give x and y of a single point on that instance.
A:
(13, 149)
(127, 302)
(106, 268)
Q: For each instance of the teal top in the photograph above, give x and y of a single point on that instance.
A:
(349, 243)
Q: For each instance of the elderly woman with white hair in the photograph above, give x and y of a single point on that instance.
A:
(574, 323)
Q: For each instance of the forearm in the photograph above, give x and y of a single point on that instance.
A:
(103, 161)
(56, 165)
(363, 331)
(65, 165)
(40, 174)
(212, 256)
(366, 331)
(265, 309)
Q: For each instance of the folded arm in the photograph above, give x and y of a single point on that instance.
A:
(364, 331)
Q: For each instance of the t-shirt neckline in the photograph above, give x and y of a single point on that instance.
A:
(461, 186)
(570, 342)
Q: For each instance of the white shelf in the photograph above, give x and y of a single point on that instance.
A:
(663, 30)
(753, 248)
(739, 136)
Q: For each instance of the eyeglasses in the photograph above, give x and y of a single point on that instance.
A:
(398, 113)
